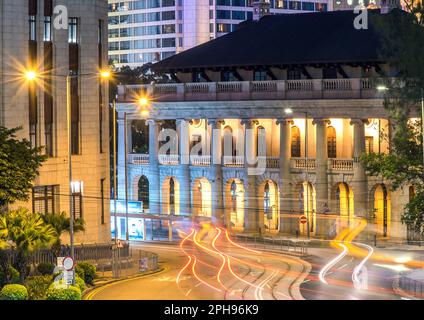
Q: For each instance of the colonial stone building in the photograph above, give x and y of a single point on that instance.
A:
(33, 39)
(303, 104)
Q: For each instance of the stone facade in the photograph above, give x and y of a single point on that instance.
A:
(325, 174)
(91, 165)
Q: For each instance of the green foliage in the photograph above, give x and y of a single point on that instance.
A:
(402, 43)
(25, 232)
(63, 293)
(19, 165)
(14, 292)
(45, 268)
(79, 271)
(79, 282)
(86, 271)
(11, 275)
(37, 286)
(61, 224)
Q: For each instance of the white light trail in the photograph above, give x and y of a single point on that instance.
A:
(332, 263)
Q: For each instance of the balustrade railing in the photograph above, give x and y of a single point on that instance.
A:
(303, 163)
(341, 164)
(233, 161)
(169, 159)
(200, 160)
(138, 159)
(352, 88)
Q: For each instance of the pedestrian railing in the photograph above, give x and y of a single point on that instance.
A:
(268, 243)
(411, 286)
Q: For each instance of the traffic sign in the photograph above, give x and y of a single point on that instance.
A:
(303, 219)
(68, 263)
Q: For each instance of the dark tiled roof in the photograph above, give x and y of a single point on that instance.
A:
(287, 39)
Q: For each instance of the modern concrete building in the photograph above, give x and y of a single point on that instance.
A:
(32, 38)
(269, 135)
(142, 31)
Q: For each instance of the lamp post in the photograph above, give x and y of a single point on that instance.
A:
(144, 104)
(290, 111)
(32, 75)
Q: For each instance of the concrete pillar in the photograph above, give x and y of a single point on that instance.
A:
(129, 136)
(359, 181)
(251, 214)
(184, 178)
(286, 188)
(217, 183)
(321, 164)
(154, 178)
(121, 160)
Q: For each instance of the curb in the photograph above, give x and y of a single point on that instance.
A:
(89, 293)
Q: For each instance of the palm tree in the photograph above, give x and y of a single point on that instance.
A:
(25, 232)
(61, 224)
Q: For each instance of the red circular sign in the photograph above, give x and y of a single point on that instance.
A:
(303, 219)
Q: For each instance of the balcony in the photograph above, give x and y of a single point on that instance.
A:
(353, 88)
(169, 159)
(200, 161)
(138, 159)
(297, 164)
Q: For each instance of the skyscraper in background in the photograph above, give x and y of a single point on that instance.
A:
(142, 31)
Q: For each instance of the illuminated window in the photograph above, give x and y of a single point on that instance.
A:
(331, 142)
(369, 144)
(295, 142)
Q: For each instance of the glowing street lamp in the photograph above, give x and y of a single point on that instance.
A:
(30, 75)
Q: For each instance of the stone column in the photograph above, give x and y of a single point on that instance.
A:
(129, 136)
(154, 178)
(321, 164)
(359, 181)
(251, 214)
(121, 160)
(286, 192)
(217, 185)
(184, 168)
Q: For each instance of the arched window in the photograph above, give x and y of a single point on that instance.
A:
(295, 142)
(172, 196)
(267, 201)
(261, 142)
(233, 193)
(411, 193)
(331, 142)
(143, 191)
(229, 142)
(140, 137)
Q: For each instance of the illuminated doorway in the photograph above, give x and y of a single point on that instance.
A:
(202, 197)
(234, 199)
(382, 210)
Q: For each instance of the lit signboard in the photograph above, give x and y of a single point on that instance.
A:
(134, 207)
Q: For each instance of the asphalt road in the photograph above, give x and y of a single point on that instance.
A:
(209, 265)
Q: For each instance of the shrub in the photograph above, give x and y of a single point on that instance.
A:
(89, 272)
(14, 276)
(79, 271)
(37, 286)
(45, 268)
(14, 292)
(80, 283)
(63, 293)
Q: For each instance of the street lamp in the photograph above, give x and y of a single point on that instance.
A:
(144, 103)
(31, 76)
(383, 88)
(289, 111)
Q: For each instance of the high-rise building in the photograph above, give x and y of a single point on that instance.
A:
(33, 38)
(142, 31)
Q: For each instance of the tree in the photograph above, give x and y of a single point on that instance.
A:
(19, 165)
(25, 232)
(61, 224)
(402, 43)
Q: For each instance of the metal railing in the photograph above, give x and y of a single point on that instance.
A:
(412, 287)
(297, 246)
